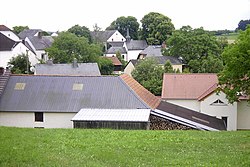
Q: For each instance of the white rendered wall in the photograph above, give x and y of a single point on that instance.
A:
(11, 35)
(116, 37)
(27, 119)
(133, 54)
(227, 110)
(175, 67)
(243, 117)
(190, 104)
(129, 68)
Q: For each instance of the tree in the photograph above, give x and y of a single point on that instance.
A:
(123, 23)
(119, 56)
(81, 31)
(243, 25)
(18, 65)
(149, 75)
(168, 68)
(105, 65)
(68, 46)
(18, 29)
(198, 48)
(156, 28)
(235, 77)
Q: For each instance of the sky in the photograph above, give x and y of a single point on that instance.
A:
(55, 15)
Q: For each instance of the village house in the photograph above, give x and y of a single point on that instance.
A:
(198, 92)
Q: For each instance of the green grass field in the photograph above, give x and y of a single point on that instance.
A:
(79, 147)
(231, 37)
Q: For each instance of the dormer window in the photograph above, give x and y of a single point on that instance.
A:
(218, 102)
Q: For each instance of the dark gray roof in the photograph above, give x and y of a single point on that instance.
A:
(4, 28)
(41, 43)
(102, 36)
(116, 44)
(83, 69)
(6, 44)
(114, 50)
(163, 59)
(56, 94)
(136, 44)
(28, 33)
(152, 50)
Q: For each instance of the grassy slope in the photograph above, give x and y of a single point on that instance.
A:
(78, 147)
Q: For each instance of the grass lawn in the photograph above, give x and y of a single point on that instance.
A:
(79, 147)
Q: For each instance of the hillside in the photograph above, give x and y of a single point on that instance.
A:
(78, 147)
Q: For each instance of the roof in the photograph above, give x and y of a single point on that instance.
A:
(162, 60)
(150, 99)
(41, 43)
(188, 117)
(83, 69)
(188, 86)
(116, 44)
(152, 50)
(34, 93)
(136, 44)
(28, 33)
(6, 44)
(114, 60)
(102, 36)
(130, 115)
(4, 28)
(114, 50)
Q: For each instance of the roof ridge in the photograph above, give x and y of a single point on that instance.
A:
(54, 75)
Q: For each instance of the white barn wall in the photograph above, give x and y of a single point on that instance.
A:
(27, 119)
(190, 104)
(227, 110)
(243, 117)
(116, 37)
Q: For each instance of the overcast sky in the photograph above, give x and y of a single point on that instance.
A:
(53, 15)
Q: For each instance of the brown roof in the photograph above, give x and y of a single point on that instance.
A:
(150, 99)
(115, 61)
(4, 28)
(188, 86)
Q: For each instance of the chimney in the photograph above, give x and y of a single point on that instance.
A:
(1, 70)
(50, 62)
(128, 38)
(40, 34)
(74, 64)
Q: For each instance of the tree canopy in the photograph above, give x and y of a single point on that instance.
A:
(18, 29)
(18, 64)
(243, 25)
(156, 28)
(149, 74)
(235, 77)
(200, 50)
(81, 31)
(123, 23)
(105, 65)
(68, 46)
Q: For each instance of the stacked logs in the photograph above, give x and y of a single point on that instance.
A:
(157, 123)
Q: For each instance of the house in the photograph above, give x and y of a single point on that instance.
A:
(112, 51)
(56, 101)
(38, 42)
(198, 92)
(117, 65)
(9, 33)
(130, 66)
(77, 69)
(10, 48)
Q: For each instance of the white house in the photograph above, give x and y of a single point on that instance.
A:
(198, 92)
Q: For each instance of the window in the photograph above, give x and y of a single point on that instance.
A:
(38, 116)
(43, 56)
(77, 86)
(19, 86)
(218, 102)
(225, 120)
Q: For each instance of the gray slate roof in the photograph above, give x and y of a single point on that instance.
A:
(41, 43)
(102, 36)
(6, 44)
(114, 50)
(152, 50)
(136, 44)
(162, 60)
(83, 69)
(55, 94)
(28, 33)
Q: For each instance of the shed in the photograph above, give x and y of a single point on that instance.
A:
(112, 118)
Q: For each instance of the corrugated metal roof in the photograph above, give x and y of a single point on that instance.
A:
(83, 69)
(131, 115)
(55, 94)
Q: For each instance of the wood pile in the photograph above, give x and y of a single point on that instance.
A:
(157, 123)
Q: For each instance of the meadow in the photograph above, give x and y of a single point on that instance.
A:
(104, 147)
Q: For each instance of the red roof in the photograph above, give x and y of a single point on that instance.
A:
(188, 86)
(150, 99)
(4, 28)
(115, 61)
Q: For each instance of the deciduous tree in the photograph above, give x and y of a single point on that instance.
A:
(18, 64)
(81, 31)
(235, 78)
(18, 29)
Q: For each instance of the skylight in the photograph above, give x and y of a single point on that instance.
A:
(20, 86)
(77, 86)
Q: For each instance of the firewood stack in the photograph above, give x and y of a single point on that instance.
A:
(157, 123)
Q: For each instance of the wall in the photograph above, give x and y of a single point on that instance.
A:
(220, 110)
(133, 54)
(175, 67)
(243, 117)
(129, 68)
(11, 35)
(27, 119)
(116, 37)
(190, 104)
